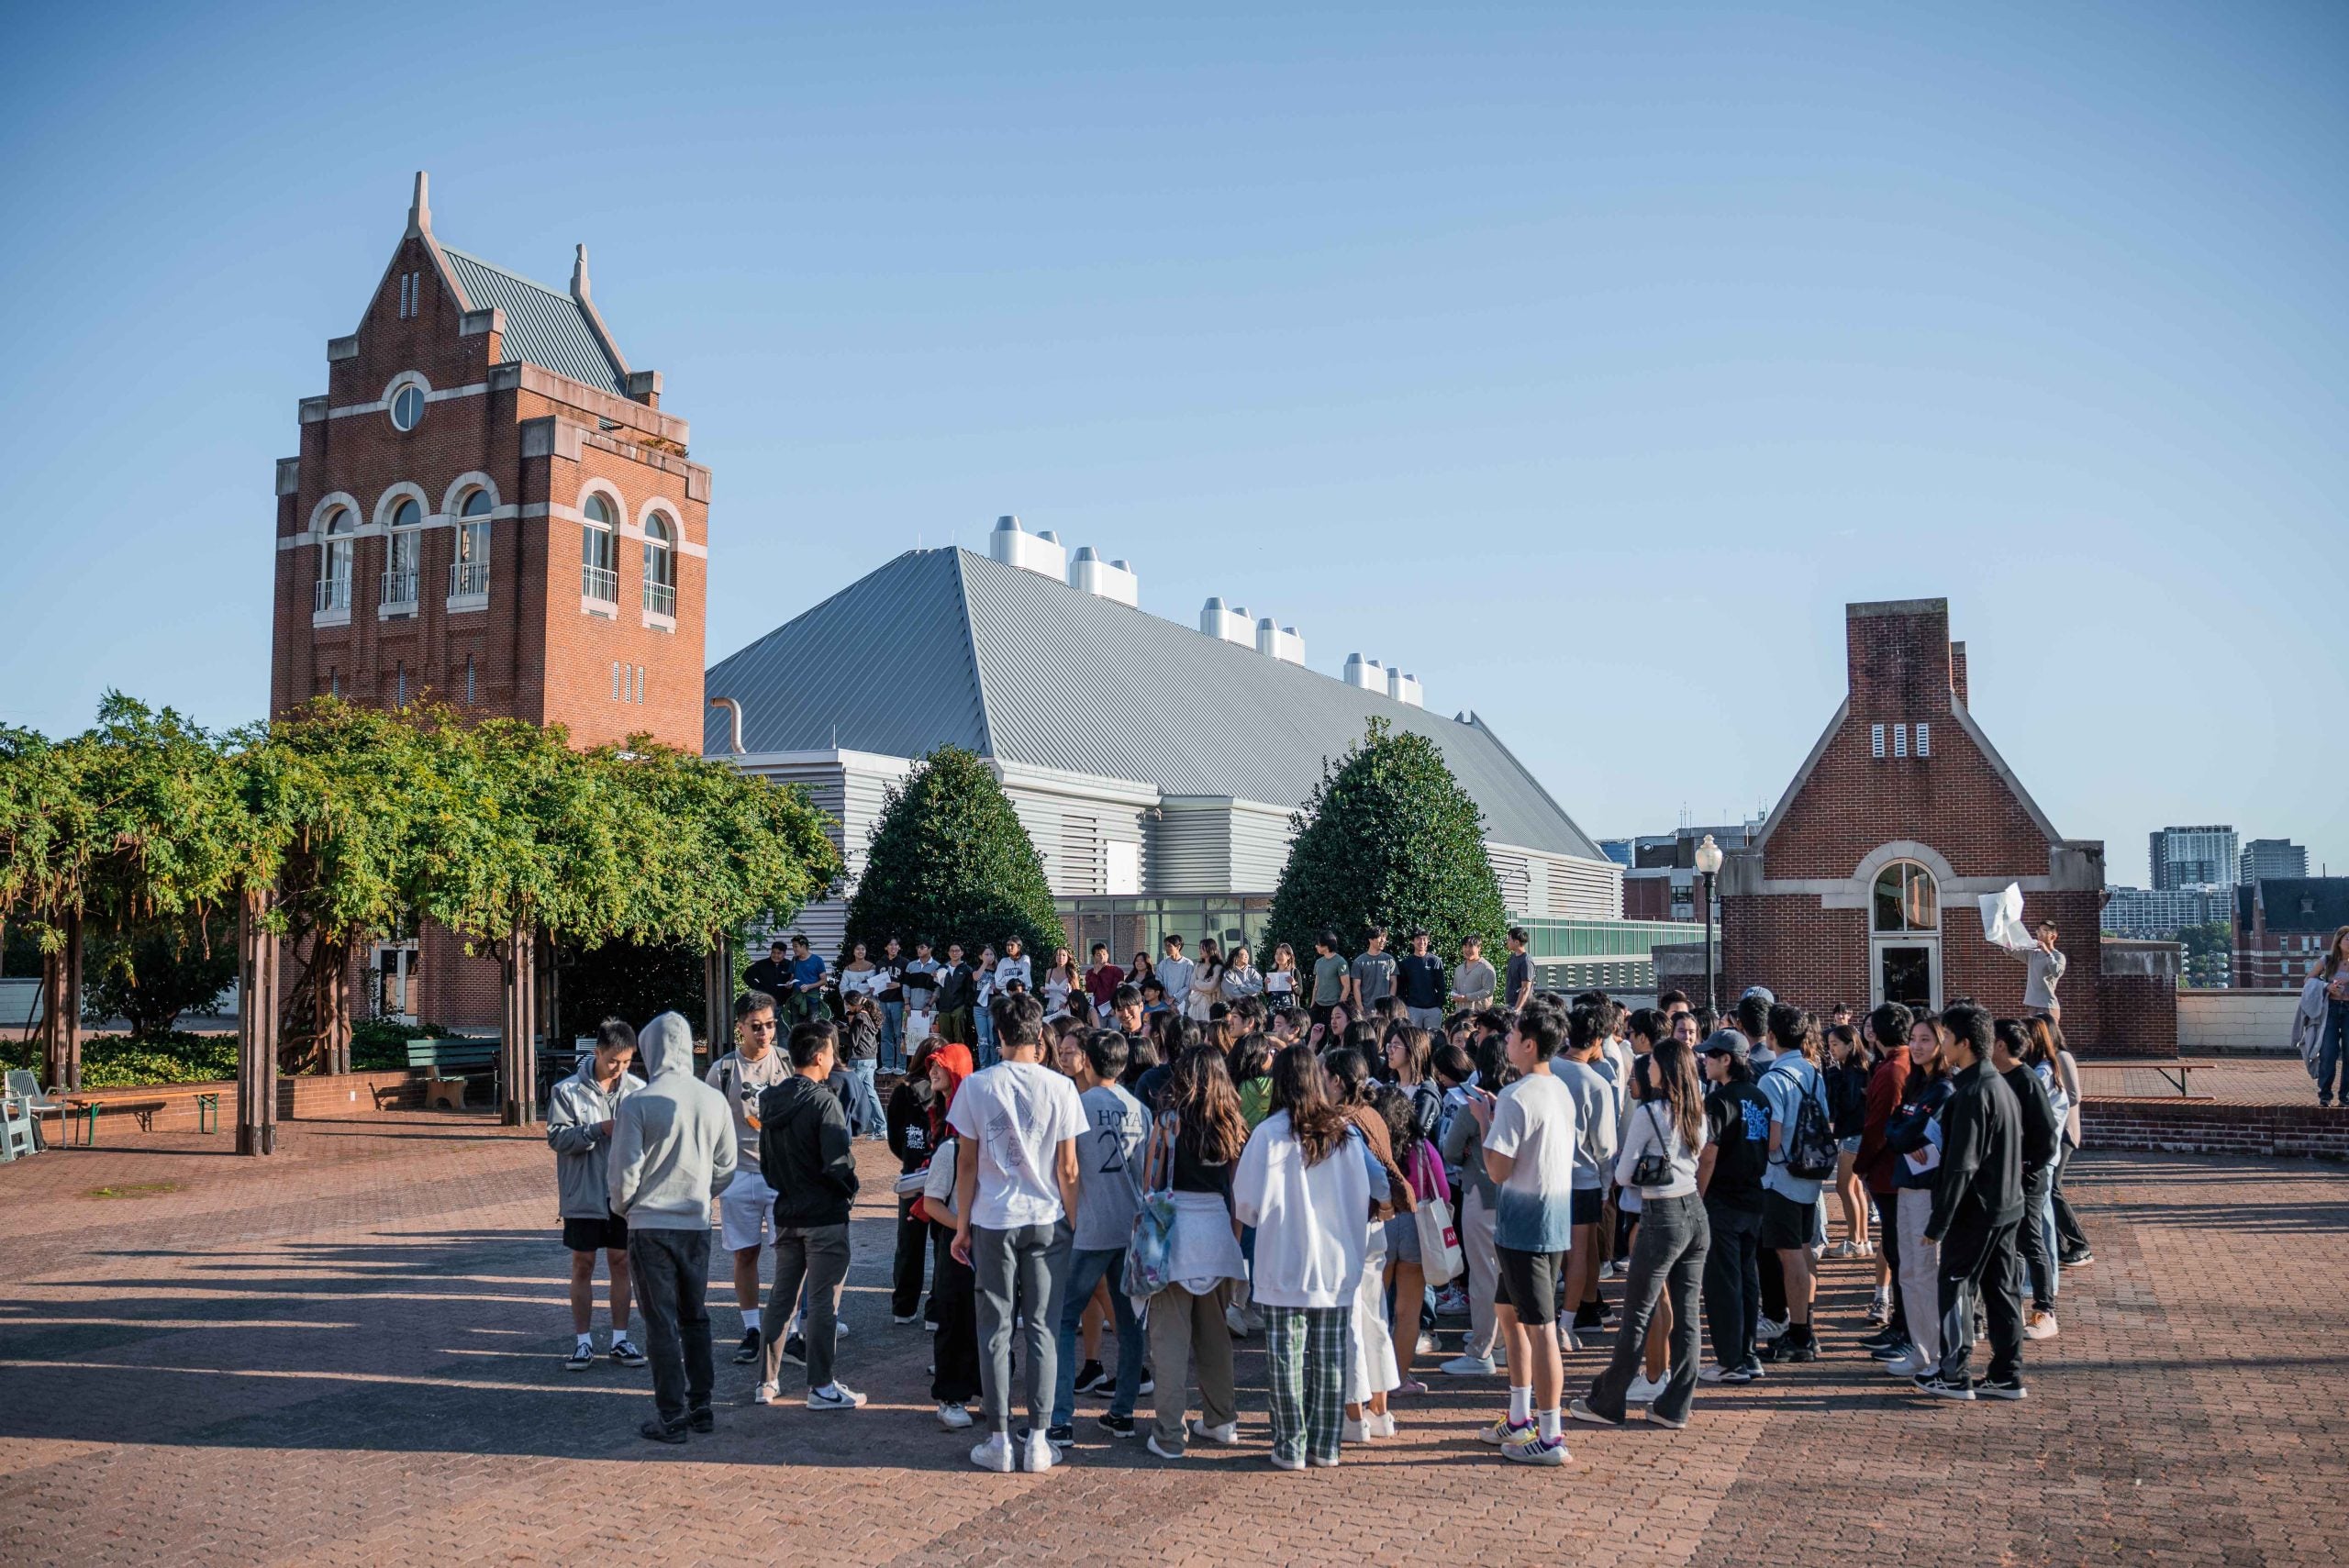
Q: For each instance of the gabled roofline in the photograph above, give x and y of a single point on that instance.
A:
(1965, 721)
(1803, 774)
(1477, 723)
(420, 226)
(595, 316)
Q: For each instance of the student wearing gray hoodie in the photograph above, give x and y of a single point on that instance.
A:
(579, 1130)
(673, 1153)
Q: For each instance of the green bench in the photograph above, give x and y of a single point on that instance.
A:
(449, 1065)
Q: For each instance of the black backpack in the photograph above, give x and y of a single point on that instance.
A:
(1811, 1147)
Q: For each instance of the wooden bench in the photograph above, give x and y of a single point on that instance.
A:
(436, 1057)
(2175, 1073)
(86, 1113)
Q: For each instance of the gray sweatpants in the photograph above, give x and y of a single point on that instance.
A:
(1019, 1271)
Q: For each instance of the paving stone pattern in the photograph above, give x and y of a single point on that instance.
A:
(350, 1353)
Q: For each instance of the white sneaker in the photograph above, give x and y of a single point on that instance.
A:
(1426, 1345)
(2040, 1325)
(766, 1393)
(1356, 1431)
(1041, 1455)
(994, 1454)
(1467, 1366)
(1607, 1270)
(1642, 1390)
(1768, 1329)
(1281, 1463)
(953, 1417)
(1224, 1436)
(1237, 1321)
(839, 1396)
(1152, 1443)
(1712, 1371)
(1379, 1423)
(1910, 1366)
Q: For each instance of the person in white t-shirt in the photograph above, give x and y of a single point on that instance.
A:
(1015, 1180)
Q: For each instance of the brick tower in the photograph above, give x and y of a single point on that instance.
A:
(490, 510)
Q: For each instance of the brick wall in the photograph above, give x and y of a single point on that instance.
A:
(2204, 1126)
(318, 1098)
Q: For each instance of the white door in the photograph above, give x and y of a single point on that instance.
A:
(1906, 969)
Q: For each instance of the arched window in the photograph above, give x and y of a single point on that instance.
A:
(1905, 899)
(334, 562)
(599, 575)
(660, 565)
(404, 549)
(469, 572)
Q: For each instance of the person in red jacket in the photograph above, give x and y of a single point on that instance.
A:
(1889, 1024)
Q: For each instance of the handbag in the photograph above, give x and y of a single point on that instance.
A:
(936, 1200)
(1150, 1252)
(1654, 1167)
(1440, 1257)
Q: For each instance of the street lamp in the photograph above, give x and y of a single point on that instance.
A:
(1708, 864)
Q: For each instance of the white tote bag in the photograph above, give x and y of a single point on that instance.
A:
(1440, 1257)
(2002, 920)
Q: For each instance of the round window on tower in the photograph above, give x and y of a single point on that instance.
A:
(407, 406)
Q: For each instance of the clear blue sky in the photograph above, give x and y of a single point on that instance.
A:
(1583, 361)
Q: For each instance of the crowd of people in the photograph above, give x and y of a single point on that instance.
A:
(1343, 1160)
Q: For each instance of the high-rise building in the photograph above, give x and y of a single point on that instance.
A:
(2159, 914)
(2265, 857)
(2192, 857)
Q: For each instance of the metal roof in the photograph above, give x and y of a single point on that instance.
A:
(942, 645)
(543, 326)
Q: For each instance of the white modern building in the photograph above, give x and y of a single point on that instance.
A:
(1154, 765)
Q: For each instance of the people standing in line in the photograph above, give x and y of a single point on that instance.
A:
(1303, 1189)
(1913, 1138)
(1101, 983)
(888, 988)
(957, 989)
(1195, 1147)
(746, 1208)
(1371, 1371)
(1529, 1134)
(909, 1140)
(1793, 1087)
(1414, 1151)
(1329, 980)
(579, 1130)
(1173, 972)
(1281, 980)
(1421, 981)
(1595, 1146)
(1242, 978)
(1110, 1156)
(1729, 1179)
(674, 1142)
(919, 983)
(2047, 1037)
(2042, 1137)
(1978, 1208)
(1659, 1159)
(1877, 1167)
(1370, 979)
(1474, 982)
(1848, 1072)
(1464, 1148)
(1517, 981)
(954, 1378)
(807, 1158)
(1016, 1125)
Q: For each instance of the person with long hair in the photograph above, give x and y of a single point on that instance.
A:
(1371, 1370)
(1911, 1137)
(1194, 1149)
(1241, 975)
(1729, 1179)
(1306, 1191)
(1849, 1066)
(2333, 1040)
(2047, 1045)
(1060, 982)
(910, 1132)
(1407, 1280)
(954, 1347)
(1281, 979)
(1207, 982)
(1463, 1148)
(1407, 1053)
(1659, 1158)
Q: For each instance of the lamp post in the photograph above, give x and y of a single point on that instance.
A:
(1708, 864)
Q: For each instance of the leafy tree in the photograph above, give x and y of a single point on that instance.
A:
(1388, 837)
(155, 972)
(950, 862)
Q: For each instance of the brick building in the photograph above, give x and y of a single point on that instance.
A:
(1862, 883)
(490, 509)
(2285, 923)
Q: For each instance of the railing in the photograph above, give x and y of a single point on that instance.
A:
(333, 594)
(399, 587)
(600, 583)
(661, 598)
(468, 579)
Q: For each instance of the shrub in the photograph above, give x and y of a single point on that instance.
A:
(950, 862)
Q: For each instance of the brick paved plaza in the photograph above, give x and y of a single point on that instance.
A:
(351, 1353)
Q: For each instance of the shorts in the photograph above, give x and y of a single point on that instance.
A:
(1529, 1283)
(746, 1211)
(608, 1234)
(1590, 1204)
(1849, 1145)
(1403, 1239)
(1785, 1224)
(1321, 1013)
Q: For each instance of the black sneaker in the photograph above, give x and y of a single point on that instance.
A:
(751, 1347)
(624, 1351)
(1885, 1337)
(702, 1420)
(660, 1432)
(1091, 1379)
(2010, 1388)
(2078, 1259)
(1059, 1436)
(1117, 1426)
(795, 1350)
(1891, 1353)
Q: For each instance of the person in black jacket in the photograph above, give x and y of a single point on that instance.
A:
(806, 1156)
(1978, 1207)
(909, 1119)
(2040, 1132)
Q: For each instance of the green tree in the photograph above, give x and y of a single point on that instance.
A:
(1388, 837)
(950, 862)
(155, 971)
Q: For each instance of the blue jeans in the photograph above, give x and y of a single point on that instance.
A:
(1086, 1268)
(2333, 1054)
(892, 1033)
(870, 1095)
(984, 1020)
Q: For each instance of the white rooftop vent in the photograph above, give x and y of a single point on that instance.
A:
(1280, 642)
(1230, 625)
(1365, 674)
(1104, 578)
(1403, 688)
(1014, 546)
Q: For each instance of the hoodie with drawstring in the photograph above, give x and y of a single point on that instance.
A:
(804, 1153)
(672, 1141)
(576, 1112)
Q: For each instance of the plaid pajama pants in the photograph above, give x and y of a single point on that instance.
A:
(1305, 1353)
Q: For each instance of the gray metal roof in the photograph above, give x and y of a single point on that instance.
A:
(543, 326)
(943, 645)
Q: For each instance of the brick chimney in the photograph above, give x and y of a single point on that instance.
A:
(1957, 673)
(1900, 658)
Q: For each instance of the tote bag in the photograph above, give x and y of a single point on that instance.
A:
(1150, 1254)
(1440, 1256)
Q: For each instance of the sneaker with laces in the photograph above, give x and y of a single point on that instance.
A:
(750, 1349)
(1355, 1430)
(1061, 1437)
(1092, 1379)
(1713, 1371)
(1945, 1387)
(1224, 1436)
(1148, 1385)
(583, 1356)
(624, 1351)
(1381, 1423)
(1535, 1449)
(995, 1455)
(1879, 1310)
(953, 1416)
(2078, 1259)
(1911, 1365)
(1117, 1426)
(1503, 1432)
(1322, 1462)
(766, 1393)
(1468, 1366)
(2039, 1326)
(837, 1397)
(1425, 1345)
(1994, 1388)
(1768, 1329)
